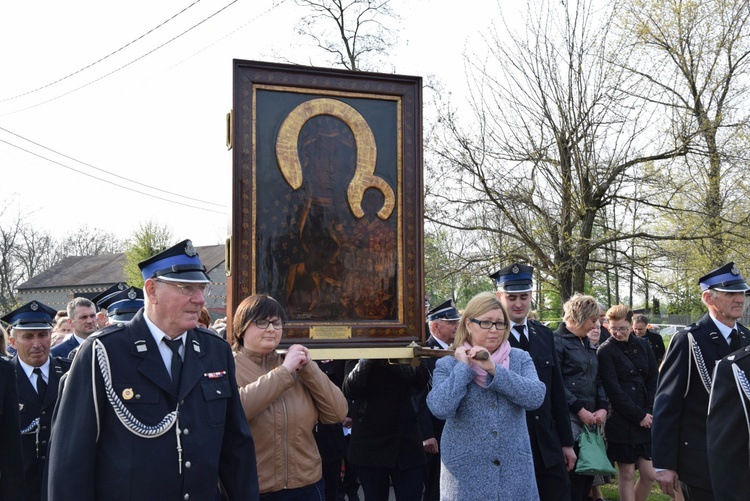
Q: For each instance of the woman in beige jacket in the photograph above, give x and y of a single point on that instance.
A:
(284, 398)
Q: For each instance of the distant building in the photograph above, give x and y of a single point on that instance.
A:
(87, 276)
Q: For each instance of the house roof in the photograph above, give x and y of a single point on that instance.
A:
(77, 271)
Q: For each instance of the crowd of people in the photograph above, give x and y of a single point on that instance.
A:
(142, 400)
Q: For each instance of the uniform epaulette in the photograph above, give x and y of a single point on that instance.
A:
(110, 329)
(204, 330)
(5, 358)
(63, 360)
(738, 355)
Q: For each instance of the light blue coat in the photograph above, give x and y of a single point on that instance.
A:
(485, 449)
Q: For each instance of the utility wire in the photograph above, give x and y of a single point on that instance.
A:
(126, 64)
(103, 170)
(107, 181)
(101, 59)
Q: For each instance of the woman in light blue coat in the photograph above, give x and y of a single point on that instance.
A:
(483, 393)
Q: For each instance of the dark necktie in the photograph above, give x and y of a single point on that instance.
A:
(41, 386)
(522, 339)
(734, 340)
(176, 366)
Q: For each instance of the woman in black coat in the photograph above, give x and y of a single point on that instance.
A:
(584, 392)
(627, 367)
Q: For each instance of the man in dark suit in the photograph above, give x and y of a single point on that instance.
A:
(549, 425)
(82, 316)
(442, 322)
(640, 329)
(681, 404)
(727, 427)
(38, 376)
(165, 420)
(12, 481)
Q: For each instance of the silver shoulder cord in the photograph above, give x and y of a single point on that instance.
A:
(700, 363)
(743, 387)
(33, 428)
(130, 422)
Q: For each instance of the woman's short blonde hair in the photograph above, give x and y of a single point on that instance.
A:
(479, 305)
(580, 308)
(620, 312)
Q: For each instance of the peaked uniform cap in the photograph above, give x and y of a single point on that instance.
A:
(179, 263)
(726, 278)
(514, 278)
(118, 287)
(123, 305)
(444, 311)
(34, 315)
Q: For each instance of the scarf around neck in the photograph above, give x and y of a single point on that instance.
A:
(501, 356)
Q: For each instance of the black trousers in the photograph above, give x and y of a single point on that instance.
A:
(693, 493)
(553, 483)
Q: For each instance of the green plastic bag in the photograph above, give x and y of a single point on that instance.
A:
(592, 455)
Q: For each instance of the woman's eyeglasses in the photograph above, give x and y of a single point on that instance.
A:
(263, 324)
(487, 324)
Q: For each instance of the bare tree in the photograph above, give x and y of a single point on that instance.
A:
(354, 33)
(88, 242)
(557, 138)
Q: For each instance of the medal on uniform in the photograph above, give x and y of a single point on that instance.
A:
(127, 393)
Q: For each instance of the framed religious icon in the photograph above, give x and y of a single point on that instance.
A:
(327, 202)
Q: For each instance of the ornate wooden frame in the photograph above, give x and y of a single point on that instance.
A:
(327, 211)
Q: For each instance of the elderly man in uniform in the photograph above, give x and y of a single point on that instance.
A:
(153, 404)
(443, 322)
(682, 392)
(38, 377)
(728, 426)
(549, 425)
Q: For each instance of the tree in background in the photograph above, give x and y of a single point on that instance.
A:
(355, 34)
(90, 242)
(693, 57)
(557, 138)
(150, 238)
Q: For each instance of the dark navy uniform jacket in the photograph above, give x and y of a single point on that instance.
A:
(11, 466)
(549, 425)
(679, 427)
(64, 348)
(727, 428)
(94, 456)
(29, 405)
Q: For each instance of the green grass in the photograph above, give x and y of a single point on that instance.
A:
(609, 491)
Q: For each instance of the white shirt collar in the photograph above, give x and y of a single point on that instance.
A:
(29, 369)
(515, 333)
(724, 329)
(79, 339)
(159, 334)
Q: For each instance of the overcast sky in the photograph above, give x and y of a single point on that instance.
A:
(93, 135)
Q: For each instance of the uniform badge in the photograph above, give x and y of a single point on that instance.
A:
(515, 269)
(196, 346)
(33, 306)
(140, 346)
(132, 294)
(189, 249)
(735, 270)
(127, 393)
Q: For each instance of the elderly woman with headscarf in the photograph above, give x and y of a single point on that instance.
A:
(483, 393)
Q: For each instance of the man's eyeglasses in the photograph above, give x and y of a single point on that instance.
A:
(190, 290)
(621, 330)
(263, 324)
(486, 324)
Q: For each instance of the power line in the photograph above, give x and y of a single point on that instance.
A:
(101, 59)
(102, 170)
(126, 64)
(107, 181)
